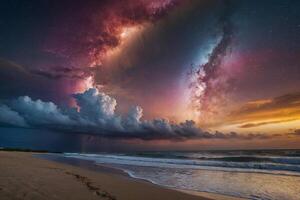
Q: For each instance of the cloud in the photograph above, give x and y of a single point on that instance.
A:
(60, 72)
(13, 78)
(295, 133)
(251, 125)
(281, 109)
(39, 113)
(95, 105)
(95, 114)
(17, 80)
(10, 117)
(287, 101)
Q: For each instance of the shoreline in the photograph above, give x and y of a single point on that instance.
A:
(114, 170)
(24, 176)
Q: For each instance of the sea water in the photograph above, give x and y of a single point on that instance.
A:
(263, 174)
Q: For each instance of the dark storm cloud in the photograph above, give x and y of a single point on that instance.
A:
(60, 72)
(96, 115)
(16, 80)
(10, 117)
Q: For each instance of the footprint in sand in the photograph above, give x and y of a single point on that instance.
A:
(89, 185)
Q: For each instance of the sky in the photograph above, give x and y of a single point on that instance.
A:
(177, 74)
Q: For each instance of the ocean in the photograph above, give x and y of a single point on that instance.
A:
(258, 174)
(252, 174)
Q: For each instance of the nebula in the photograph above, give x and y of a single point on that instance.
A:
(95, 31)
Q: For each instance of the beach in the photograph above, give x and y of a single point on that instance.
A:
(24, 176)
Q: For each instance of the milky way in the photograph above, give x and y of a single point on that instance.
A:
(202, 61)
(210, 84)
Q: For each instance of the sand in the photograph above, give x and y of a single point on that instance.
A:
(23, 176)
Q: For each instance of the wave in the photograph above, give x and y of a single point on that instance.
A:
(274, 165)
(293, 160)
(280, 160)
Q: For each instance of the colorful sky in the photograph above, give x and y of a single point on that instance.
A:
(185, 74)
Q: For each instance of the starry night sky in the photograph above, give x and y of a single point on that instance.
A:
(206, 72)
